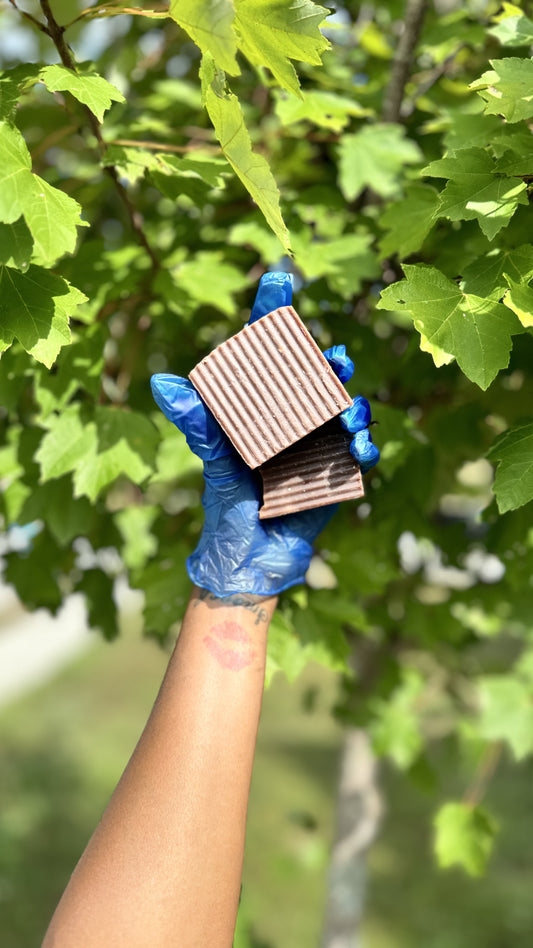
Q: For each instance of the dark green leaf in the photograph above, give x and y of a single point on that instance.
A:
(476, 331)
(34, 308)
(513, 484)
(475, 192)
(408, 221)
(97, 588)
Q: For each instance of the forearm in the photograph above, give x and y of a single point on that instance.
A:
(164, 865)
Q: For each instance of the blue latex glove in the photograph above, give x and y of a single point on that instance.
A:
(237, 552)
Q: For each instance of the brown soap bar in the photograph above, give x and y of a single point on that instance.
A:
(269, 386)
(317, 471)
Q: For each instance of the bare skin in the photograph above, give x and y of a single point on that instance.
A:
(163, 867)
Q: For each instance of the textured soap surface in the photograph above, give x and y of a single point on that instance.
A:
(317, 471)
(269, 386)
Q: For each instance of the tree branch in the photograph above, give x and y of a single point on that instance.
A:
(56, 34)
(401, 66)
(27, 16)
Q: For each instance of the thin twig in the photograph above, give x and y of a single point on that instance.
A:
(484, 774)
(401, 66)
(27, 16)
(55, 31)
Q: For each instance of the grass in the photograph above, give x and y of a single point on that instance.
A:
(64, 746)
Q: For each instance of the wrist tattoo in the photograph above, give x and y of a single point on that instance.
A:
(230, 645)
(234, 599)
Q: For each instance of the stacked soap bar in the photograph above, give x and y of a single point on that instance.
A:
(269, 387)
(314, 472)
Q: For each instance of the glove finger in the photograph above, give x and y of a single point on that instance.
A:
(275, 290)
(307, 524)
(182, 405)
(340, 362)
(363, 450)
(356, 417)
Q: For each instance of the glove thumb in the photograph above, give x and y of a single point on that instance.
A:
(180, 402)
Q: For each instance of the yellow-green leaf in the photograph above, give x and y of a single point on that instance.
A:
(253, 170)
(210, 25)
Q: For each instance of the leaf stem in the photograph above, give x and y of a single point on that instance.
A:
(56, 34)
(484, 774)
(401, 65)
(160, 146)
(106, 10)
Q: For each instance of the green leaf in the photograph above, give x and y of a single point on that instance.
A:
(485, 275)
(69, 439)
(97, 450)
(34, 308)
(273, 32)
(16, 245)
(464, 837)
(395, 725)
(65, 516)
(468, 130)
(475, 192)
(206, 280)
(91, 90)
(13, 83)
(131, 163)
(140, 544)
(51, 215)
(408, 221)
(507, 88)
(15, 173)
(285, 651)
(252, 169)
(513, 483)
(252, 233)
(97, 588)
(374, 158)
(507, 712)
(345, 261)
(513, 31)
(476, 331)
(210, 25)
(124, 442)
(519, 299)
(166, 588)
(195, 177)
(35, 573)
(53, 218)
(79, 366)
(319, 107)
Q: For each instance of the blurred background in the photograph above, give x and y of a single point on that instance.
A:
(416, 595)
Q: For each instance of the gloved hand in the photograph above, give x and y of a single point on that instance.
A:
(237, 552)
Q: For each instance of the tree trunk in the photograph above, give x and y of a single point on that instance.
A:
(359, 811)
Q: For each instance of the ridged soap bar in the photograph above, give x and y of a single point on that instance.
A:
(317, 471)
(269, 386)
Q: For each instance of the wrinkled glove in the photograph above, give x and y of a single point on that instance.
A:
(237, 552)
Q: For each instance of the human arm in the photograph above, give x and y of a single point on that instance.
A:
(164, 865)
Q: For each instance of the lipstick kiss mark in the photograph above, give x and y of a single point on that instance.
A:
(230, 645)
